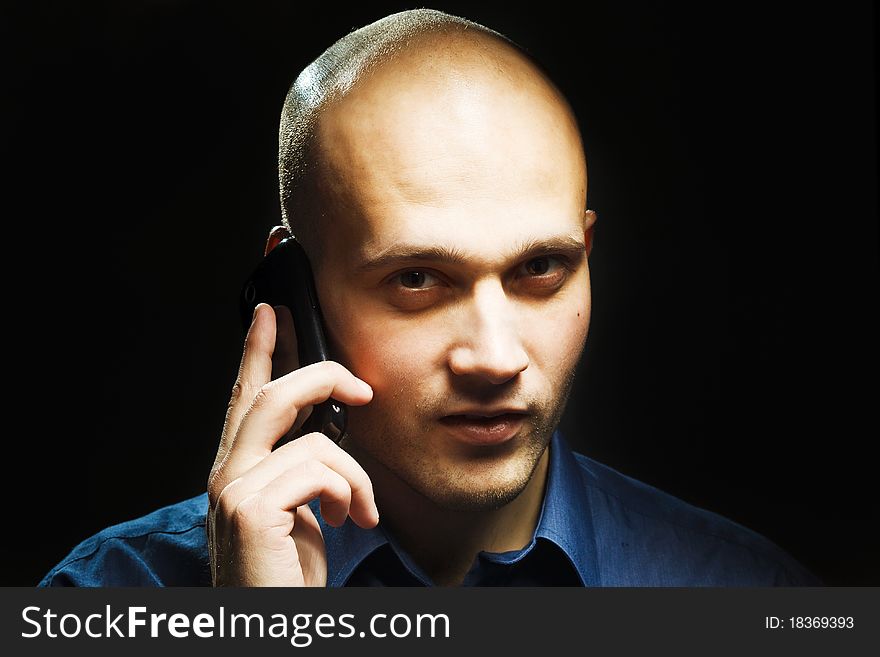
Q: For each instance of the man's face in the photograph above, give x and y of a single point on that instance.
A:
(452, 273)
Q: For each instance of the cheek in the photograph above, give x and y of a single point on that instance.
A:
(387, 355)
(556, 345)
(576, 333)
(577, 323)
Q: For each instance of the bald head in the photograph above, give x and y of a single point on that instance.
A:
(436, 179)
(415, 106)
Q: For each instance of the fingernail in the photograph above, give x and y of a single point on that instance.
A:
(366, 386)
(253, 319)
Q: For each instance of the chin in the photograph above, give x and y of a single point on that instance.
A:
(461, 478)
(478, 499)
(476, 486)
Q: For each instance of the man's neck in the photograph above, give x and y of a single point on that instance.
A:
(444, 542)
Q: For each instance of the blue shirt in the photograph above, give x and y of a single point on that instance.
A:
(597, 527)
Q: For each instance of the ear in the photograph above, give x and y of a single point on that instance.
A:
(277, 234)
(590, 218)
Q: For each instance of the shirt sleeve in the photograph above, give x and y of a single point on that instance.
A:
(166, 548)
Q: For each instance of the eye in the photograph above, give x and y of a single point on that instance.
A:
(416, 289)
(538, 266)
(545, 273)
(417, 279)
(543, 266)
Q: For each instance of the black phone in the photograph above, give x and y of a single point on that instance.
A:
(284, 277)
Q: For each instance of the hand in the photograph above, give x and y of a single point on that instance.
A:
(261, 531)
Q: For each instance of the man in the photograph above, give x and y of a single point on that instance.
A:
(437, 180)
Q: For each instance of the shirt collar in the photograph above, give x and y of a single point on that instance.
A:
(347, 546)
(565, 521)
(566, 518)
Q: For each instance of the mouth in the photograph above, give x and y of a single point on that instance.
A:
(484, 430)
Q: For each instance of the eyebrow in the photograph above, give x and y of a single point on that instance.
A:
(399, 254)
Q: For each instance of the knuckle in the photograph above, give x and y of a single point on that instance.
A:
(239, 391)
(265, 396)
(315, 471)
(314, 442)
(318, 476)
(227, 500)
(345, 494)
(247, 512)
(214, 489)
(361, 489)
(332, 368)
(328, 365)
(363, 483)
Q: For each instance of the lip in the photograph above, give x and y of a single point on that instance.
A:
(492, 430)
(491, 412)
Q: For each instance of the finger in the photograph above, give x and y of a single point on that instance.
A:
(306, 482)
(273, 505)
(316, 447)
(310, 546)
(277, 404)
(254, 371)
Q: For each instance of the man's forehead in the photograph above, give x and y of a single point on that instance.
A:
(450, 149)
(439, 153)
(450, 112)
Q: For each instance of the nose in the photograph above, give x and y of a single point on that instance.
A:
(489, 346)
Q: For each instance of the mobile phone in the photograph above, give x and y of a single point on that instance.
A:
(284, 277)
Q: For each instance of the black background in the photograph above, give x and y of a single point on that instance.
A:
(732, 357)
